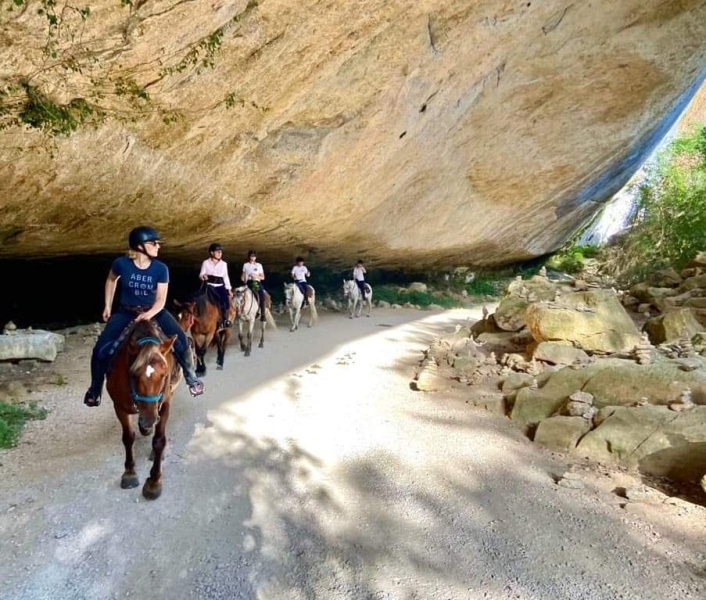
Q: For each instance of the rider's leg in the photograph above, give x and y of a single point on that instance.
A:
(102, 353)
(224, 299)
(303, 288)
(361, 287)
(170, 327)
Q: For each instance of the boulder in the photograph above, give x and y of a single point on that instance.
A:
(695, 303)
(699, 261)
(510, 314)
(429, 378)
(649, 294)
(487, 325)
(594, 321)
(561, 433)
(666, 278)
(557, 353)
(693, 283)
(30, 344)
(656, 440)
(505, 342)
(417, 286)
(671, 326)
(383, 304)
(535, 289)
(624, 383)
(515, 381)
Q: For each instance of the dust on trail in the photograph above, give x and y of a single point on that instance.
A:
(312, 470)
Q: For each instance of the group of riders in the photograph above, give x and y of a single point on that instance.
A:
(143, 296)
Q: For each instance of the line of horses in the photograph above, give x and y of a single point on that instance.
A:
(144, 373)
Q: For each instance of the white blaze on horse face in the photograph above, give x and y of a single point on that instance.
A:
(149, 370)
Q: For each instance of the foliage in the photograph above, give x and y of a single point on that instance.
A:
(572, 259)
(398, 295)
(55, 119)
(670, 224)
(13, 418)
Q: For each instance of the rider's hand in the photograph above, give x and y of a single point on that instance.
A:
(204, 277)
(145, 316)
(106, 313)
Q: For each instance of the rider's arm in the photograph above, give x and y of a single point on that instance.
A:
(110, 284)
(159, 302)
(226, 279)
(243, 276)
(262, 275)
(202, 274)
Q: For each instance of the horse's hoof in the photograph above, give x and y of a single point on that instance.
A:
(291, 329)
(201, 372)
(350, 317)
(144, 431)
(219, 367)
(151, 490)
(261, 345)
(247, 353)
(308, 325)
(127, 482)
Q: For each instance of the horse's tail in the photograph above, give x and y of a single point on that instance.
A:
(270, 319)
(312, 308)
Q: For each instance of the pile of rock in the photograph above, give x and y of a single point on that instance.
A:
(577, 374)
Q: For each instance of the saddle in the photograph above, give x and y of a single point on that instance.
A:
(124, 338)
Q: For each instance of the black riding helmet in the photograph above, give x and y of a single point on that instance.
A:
(215, 247)
(141, 235)
(252, 253)
(299, 259)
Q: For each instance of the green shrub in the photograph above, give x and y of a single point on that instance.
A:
(670, 225)
(13, 418)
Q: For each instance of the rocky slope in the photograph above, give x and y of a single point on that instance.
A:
(410, 133)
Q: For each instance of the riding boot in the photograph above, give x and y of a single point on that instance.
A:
(185, 361)
(99, 368)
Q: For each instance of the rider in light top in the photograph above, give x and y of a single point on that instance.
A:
(253, 275)
(143, 294)
(299, 274)
(214, 271)
(359, 277)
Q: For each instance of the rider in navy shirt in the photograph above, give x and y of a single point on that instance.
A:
(143, 293)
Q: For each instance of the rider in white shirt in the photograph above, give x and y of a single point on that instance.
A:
(299, 274)
(359, 277)
(214, 271)
(253, 275)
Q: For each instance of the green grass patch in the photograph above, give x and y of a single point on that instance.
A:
(13, 418)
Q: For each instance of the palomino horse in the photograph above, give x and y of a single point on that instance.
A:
(247, 307)
(352, 293)
(141, 381)
(295, 300)
(205, 316)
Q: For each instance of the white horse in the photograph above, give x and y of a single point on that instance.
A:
(351, 291)
(295, 300)
(247, 307)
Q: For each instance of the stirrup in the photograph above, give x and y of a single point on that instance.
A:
(227, 323)
(90, 400)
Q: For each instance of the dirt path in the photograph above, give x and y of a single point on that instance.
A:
(311, 470)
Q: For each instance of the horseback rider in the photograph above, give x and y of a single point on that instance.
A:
(253, 275)
(143, 294)
(214, 271)
(359, 277)
(299, 274)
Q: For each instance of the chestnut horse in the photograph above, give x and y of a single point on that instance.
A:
(204, 316)
(141, 381)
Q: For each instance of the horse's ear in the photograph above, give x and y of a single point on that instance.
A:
(168, 345)
(177, 303)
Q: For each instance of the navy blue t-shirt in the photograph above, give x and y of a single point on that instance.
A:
(138, 287)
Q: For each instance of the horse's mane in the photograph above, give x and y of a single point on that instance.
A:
(147, 351)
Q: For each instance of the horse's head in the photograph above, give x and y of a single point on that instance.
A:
(348, 285)
(186, 314)
(150, 373)
(288, 293)
(239, 298)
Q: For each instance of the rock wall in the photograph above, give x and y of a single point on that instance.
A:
(416, 133)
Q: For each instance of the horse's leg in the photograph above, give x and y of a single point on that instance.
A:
(350, 310)
(297, 316)
(221, 344)
(129, 478)
(370, 305)
(248, 343)
(291, 318)
(240, 335)
(262, 334)
(153, 486)
(200, 350)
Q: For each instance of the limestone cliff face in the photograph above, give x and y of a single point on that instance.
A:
(425, 132)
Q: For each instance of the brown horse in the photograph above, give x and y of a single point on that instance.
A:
(204, 316)
(141, 381)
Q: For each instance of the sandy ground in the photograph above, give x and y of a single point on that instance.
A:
(311, 470)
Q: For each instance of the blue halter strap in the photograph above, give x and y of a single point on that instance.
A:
(138, 397)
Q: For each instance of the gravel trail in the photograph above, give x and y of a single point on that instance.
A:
(311, 470)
